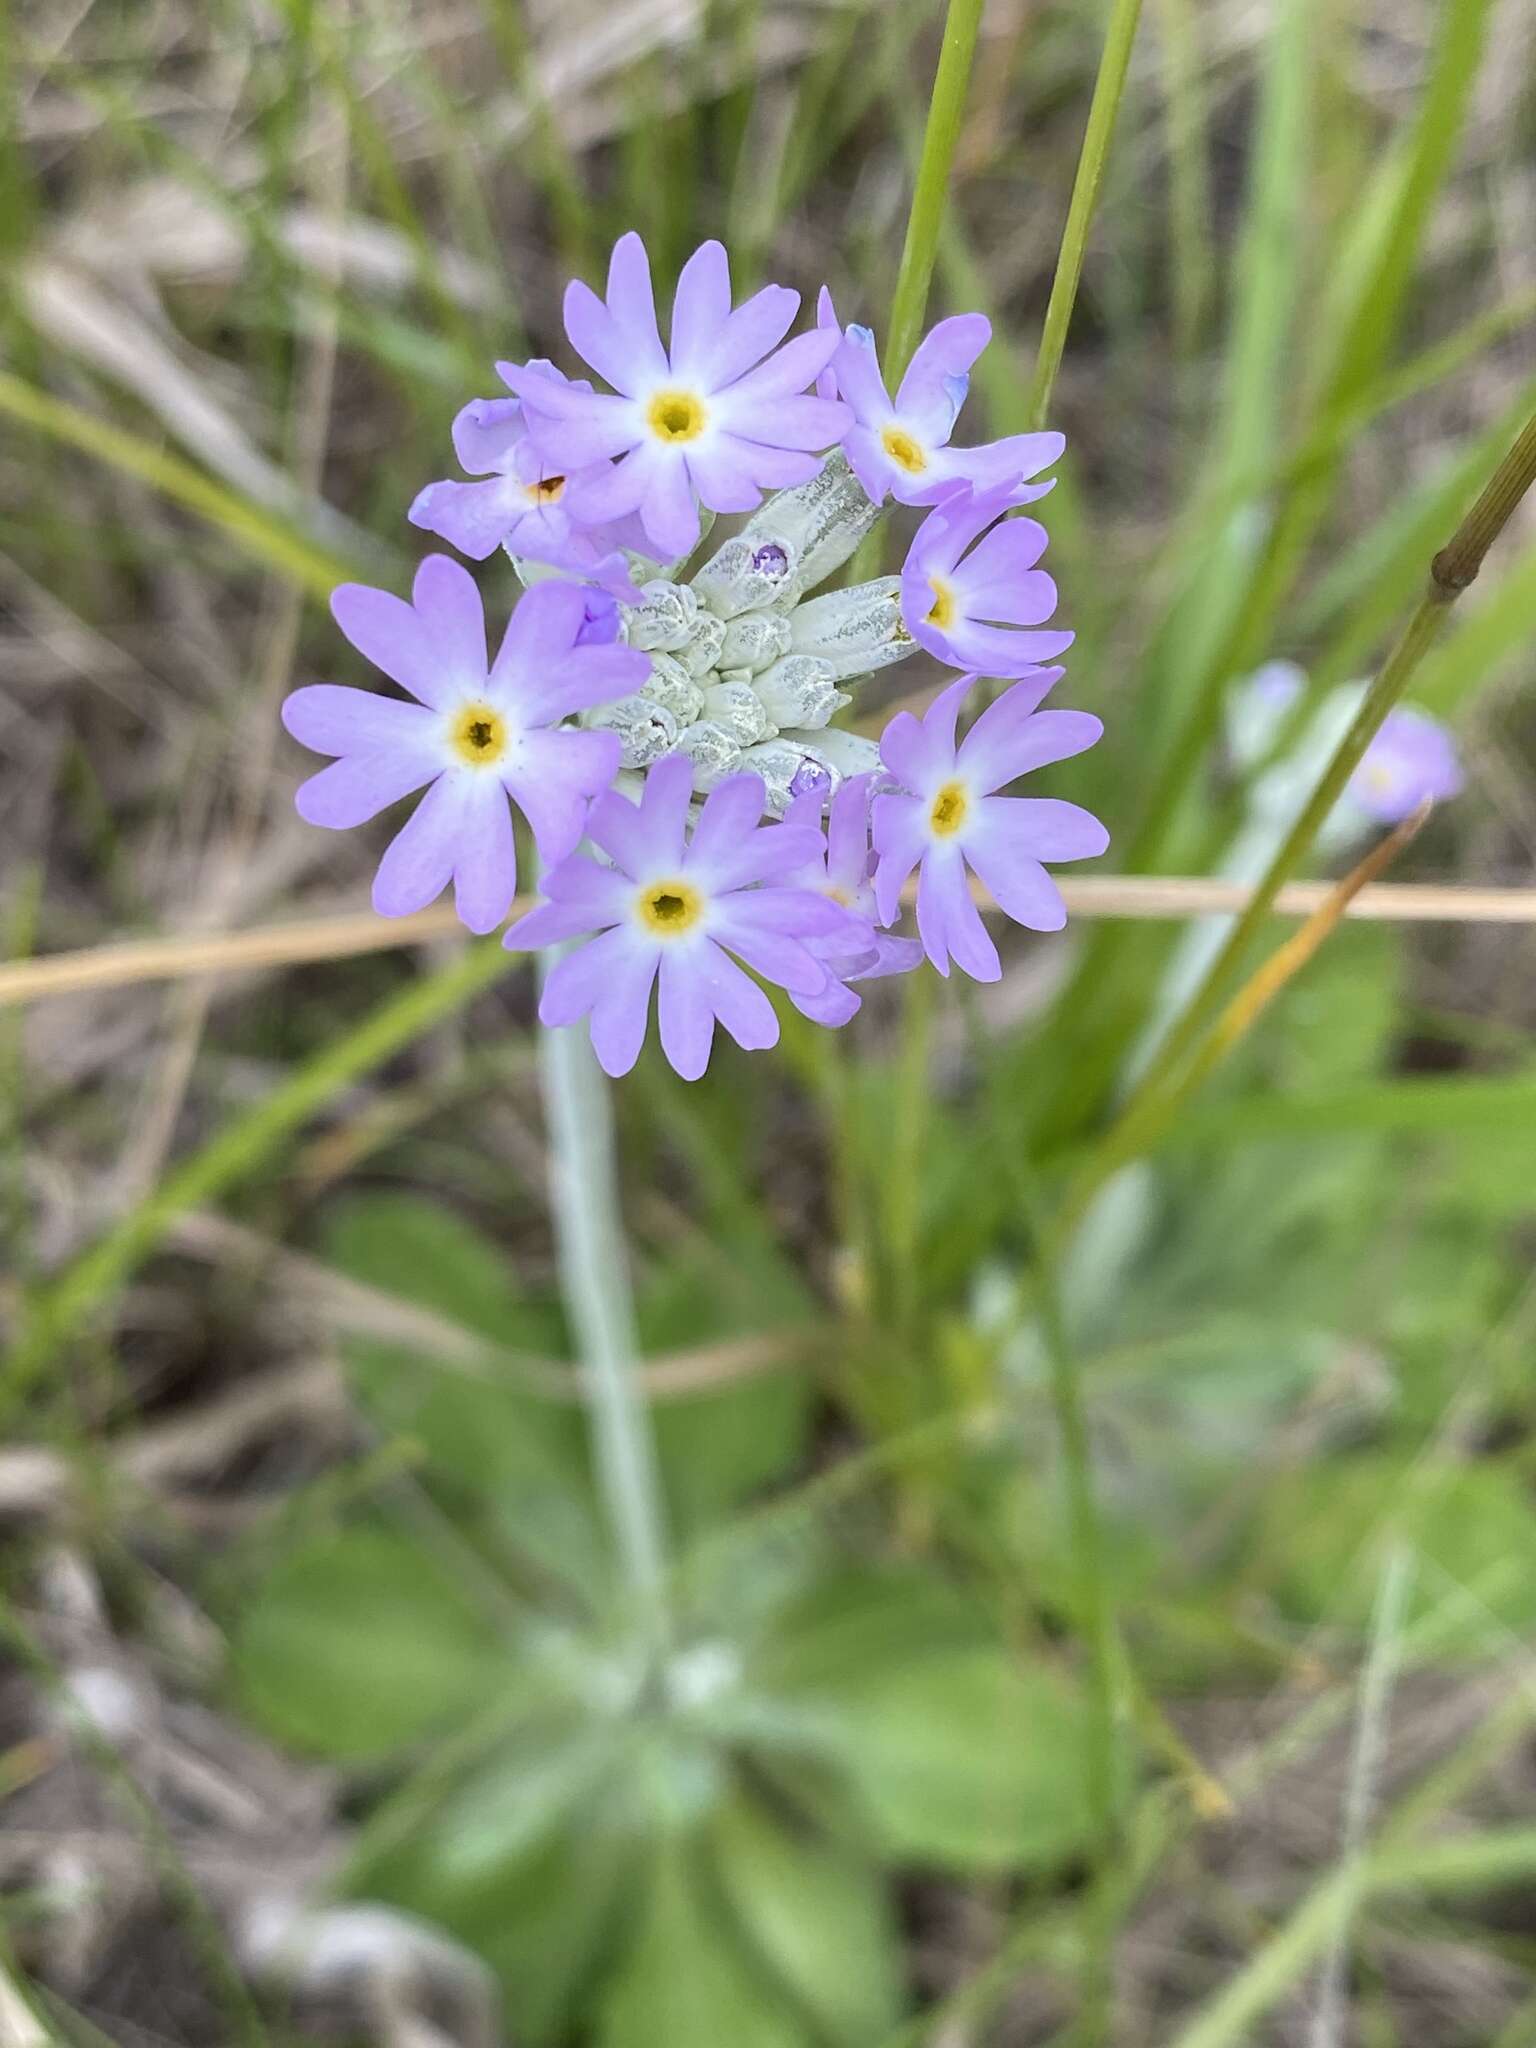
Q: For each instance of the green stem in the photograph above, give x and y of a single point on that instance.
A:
(930, 194)
(1102, 113)
(594, 1277)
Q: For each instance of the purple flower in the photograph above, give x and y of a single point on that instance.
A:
(476, 735)
(903, 450)
(844, 873)
(952, 820)
(523, 501)
(674, 909)
(968, 607)
(1412, 760)
(697, 419)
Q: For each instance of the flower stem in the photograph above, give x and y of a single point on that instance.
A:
(594, 1281)
(1105, 107)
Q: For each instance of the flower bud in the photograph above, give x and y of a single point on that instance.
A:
(791, 768)
(674, 689)
(743, 576)
(855, 630)
(799, 691)
(644, 728)
(713, 752)
(817, 526)
(736, 708)
(664, 618)
(701, 650)
(754, 640)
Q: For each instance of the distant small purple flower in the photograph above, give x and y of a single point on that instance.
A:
(902, 450)
(720, 415)
(477, 734)
(673, 909)
(844, 872)
(1412, 760)
(952, 820)
(968, 607)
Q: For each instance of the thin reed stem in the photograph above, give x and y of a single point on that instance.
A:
(1108, 89)
(930, 194)
(594, 1281)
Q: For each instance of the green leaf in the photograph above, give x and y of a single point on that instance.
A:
(718, 1449)
(821, 1921)
(483, 1432)
(360, 1642)
(956, 1755)
(967, 1761)
(686, 1983)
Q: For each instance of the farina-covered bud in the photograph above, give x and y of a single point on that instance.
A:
(745, 575)
(644, 728)
(791, 768)
(849, 753)
(855, 630)
(817, 526)
(664, 617)
(701, 650)
(754, 640)
(738, 710)
(799, 691)
(712, 751)
(674, 689)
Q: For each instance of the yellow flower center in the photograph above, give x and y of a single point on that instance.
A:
(943, 613)
(668, 909)
(676, 416)
(906, 453)
(479, 735)
(947, 812)
(549, 490)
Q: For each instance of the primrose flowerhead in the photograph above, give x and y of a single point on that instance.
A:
(1412, 760)
(970, 590)
(901, 449)
(717, 417)
(478, 734)
(671, 910)
(949, 821)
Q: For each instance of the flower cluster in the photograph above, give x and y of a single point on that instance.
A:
(645, 722)
(1412, 759)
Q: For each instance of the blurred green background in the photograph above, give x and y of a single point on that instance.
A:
(323, 1712)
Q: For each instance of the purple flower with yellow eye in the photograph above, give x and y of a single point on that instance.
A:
(952, 822)
(717, 418)
(970, 590)
(1412, 760)
(844, 871)
(670, 912)
(901, 449)
(478, 734)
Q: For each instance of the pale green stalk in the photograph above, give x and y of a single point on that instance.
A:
(1102, 113)
(594, 1281)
